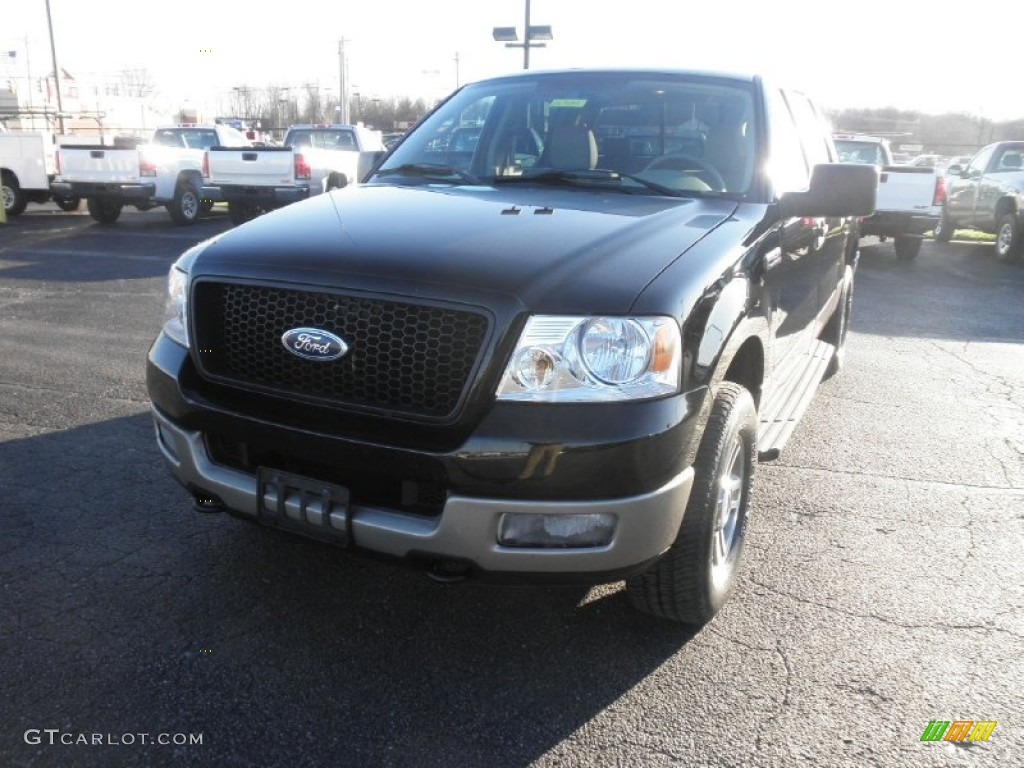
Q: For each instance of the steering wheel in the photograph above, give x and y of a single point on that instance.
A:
(688, 164)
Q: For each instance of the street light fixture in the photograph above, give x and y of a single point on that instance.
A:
(508, 36)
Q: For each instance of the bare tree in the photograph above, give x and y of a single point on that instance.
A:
(137, 82)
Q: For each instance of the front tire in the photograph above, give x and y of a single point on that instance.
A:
(693, 579)
(241, 212)
(103, 210)
(68, 204)
(907, 247)
(185, 207)
(14, 199)
(839, 324)
(1009, 238)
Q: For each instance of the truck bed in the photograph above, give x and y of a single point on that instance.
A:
(100, 164)
(908, 189)
(250, 167)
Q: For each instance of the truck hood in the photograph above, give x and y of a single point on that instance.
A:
(565, 250)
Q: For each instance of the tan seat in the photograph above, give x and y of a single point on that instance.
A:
(570, 147)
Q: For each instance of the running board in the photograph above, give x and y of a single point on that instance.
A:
(787, 403)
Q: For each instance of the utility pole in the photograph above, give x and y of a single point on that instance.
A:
(456, 70)
(56, 69)
(525, 38)
(342, 101)
(28, 74)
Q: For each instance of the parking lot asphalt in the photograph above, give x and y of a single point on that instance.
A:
(883, 587)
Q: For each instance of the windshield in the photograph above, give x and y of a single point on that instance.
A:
(859, 152)
(645, 134)
(322, 138)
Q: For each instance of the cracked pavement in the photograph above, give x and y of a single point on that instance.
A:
(883, 585)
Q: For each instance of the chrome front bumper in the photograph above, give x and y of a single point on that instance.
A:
(466, 530)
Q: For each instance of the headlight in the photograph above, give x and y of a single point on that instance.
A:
(593, 359)
(176, 307)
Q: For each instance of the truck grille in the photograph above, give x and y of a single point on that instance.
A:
(413, 358)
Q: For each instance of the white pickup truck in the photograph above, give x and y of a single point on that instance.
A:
(910, 198)
(257, 179)
(168, 171)
(27, 165)
(338, 155)
(314, 159)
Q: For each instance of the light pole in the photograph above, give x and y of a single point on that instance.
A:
(56, 71)
(531, 32)
(342, 66)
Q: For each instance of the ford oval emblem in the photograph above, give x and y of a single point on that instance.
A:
(314, 344)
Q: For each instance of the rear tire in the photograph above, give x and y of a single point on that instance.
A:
(103, 210)
(907, 246)
(694, 578)
(14, 199)
(944, 229)
(1009, 238)
(185, 207)
(68, 204)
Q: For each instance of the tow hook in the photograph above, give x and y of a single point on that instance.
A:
(206, 502)
(448, 571)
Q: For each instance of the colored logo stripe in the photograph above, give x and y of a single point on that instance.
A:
(935, 730)
(982, 730)
(958, 730)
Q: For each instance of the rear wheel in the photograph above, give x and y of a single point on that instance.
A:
(1008, 238)
(184, 208)
(944, 229)
(907, 247)
(693, 579)
(68, 204)
(103, 210)
(13, 198)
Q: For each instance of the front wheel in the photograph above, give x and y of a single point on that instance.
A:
(693, 579)
(104, 211)
(907, 247)
(68, 204)
(241, 212)
(839, 325)
(1009, 238)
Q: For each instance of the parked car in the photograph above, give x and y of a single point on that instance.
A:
(27, 166)
(910, 197)
(988, 195)
(314, 159)
(560, 371)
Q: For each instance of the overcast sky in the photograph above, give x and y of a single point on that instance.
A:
(850, 54)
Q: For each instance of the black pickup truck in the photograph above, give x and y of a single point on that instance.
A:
(556, 355)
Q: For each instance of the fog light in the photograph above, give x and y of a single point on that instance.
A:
(569, 530)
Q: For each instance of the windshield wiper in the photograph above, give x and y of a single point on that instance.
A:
(584, 176)
(429, 171)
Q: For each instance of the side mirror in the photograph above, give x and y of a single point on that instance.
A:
(955, 170)
(368, 162)
(836, 189)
